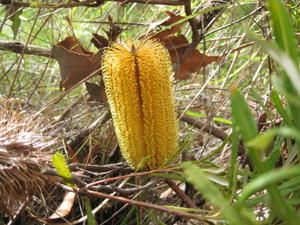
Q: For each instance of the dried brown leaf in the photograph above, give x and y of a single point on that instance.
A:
(96, 92)
(71, 43)
(176, 46)
(173, 18)
(75, 62)
(154, 33)
(65, 207)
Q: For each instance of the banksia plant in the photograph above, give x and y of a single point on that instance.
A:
(138, 85)
(23, 152)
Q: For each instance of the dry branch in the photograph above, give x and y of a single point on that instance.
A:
(211, 129)
(145, 204)
(181, 194)
(20, 47)
(90, 3)
(109, 188)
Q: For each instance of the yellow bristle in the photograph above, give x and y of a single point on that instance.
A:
(140, 95)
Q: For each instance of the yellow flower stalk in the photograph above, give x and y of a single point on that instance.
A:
(139, 90)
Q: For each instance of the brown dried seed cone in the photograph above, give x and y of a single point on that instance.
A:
(23, 152)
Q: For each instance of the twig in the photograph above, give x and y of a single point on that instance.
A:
(85, 132)
(235, 22)
(20, 47)
(89, 3)
(122, 191)
(205, 127)
(22, 55)
(116, 23)
(144, 204)
(196, 35)
(105, 188)
(62, 95)
(94, 211)
(97, 168)
(196, 38)
(122, 177)
(69, 110)
(181, 194)
(192, 21)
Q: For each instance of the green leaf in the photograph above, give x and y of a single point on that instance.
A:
(263, 181)
(286, 62)
(279, 106)
(203, 185)
(234, 165)
(269, 181)
(62, 168)
(274, 156)
(222, 120)
(242, 116)
(245, 125)
(283, 28)
(262, 141)
(90, 216)
(289, 132)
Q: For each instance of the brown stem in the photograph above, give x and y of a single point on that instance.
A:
(205, 127)
(196, 38)
(97, 168)
(90, 3)
(181, 194)
(20, 47)
(106, 188)
(193, 22)
(144, 204)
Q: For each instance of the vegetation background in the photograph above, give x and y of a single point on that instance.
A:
(237, 94)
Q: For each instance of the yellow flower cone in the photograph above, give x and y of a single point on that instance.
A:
(140, 95)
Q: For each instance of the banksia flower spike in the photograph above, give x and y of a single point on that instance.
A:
(140, 94)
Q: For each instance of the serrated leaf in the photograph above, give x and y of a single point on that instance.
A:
(62, 169)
